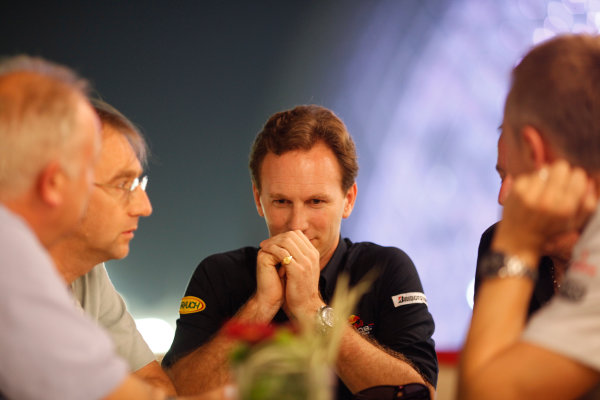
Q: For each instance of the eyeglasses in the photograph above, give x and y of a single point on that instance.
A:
(127, 187)
(412, 391)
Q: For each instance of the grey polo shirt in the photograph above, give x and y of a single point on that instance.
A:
(97, 296)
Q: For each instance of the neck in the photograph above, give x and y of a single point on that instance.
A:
(29, 211)
(71, 260)
(324, 259)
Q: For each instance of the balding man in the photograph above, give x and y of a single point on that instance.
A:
(49, 141)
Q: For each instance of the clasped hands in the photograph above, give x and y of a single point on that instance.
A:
(554, 200)
(294, 285)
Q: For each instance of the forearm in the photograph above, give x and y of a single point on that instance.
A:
(499, 317)
(154, 375)
(362, 364)
(498, 320)
(501, 310)
(203, 369)
(134, 388)
(207, 367)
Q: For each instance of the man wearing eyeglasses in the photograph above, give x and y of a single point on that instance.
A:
(117, 202)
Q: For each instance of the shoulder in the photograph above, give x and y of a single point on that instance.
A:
(391, 264)
(19, 245)
(486, 239)
(395, 274)
(377, 254)
(229, 263)
(241, 256)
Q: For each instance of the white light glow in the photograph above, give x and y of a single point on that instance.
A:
(595, 17)
(157, 332)
(470, 294)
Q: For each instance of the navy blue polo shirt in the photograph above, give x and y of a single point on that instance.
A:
(393, 312)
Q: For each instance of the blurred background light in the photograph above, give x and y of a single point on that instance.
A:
(419, 83)
(157, 332)
(469, 294)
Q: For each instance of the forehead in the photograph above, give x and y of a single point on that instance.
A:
(299, 170)
(117, 157)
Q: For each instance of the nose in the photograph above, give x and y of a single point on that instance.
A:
(504, 191)
(297, 219)
(139, 203)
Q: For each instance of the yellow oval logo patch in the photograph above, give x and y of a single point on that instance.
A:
(191, 304)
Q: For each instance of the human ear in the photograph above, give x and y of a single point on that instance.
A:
(539, 152)
(51, 184)
(349, 200)
(257, 202)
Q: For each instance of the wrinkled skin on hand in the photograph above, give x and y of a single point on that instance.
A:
(542, 205)
(297, 288)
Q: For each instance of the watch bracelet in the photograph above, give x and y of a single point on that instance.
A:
(501, 265)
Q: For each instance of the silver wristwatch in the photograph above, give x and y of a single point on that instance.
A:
(500, 265)
(325, 318)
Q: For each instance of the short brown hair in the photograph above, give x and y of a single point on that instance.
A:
(556, 89)
(109, 115)
(300, 129)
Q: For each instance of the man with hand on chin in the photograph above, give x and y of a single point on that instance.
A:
(550, 130)
(303, 167)
(556, 253)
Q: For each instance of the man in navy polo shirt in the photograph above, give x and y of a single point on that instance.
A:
(303, 166)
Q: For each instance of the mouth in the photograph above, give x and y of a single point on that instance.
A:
(129, 233)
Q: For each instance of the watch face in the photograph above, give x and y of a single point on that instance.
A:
(327, 316)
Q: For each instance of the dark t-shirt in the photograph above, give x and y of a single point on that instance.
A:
(544, 287)
(387, 312)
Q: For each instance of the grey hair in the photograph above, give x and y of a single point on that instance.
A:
(38, 115)
(109, 115)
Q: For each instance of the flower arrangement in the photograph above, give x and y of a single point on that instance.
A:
(294, 361)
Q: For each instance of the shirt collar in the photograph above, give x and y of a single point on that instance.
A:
(331, 271)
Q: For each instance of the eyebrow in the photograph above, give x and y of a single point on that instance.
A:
(312, 196)
(129, 173)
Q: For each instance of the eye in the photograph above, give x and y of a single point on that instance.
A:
(316, 202)
(280, 202)
(124, 184)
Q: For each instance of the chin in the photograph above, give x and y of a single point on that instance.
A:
(119, 255)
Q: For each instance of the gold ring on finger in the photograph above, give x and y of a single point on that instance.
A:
(287, 260)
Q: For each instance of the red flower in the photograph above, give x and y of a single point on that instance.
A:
(248, 331)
